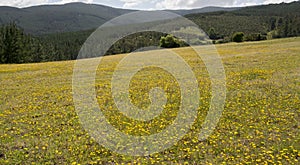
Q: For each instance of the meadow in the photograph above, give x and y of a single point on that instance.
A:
(260, 123)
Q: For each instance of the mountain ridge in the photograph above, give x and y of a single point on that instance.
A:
(70, 17)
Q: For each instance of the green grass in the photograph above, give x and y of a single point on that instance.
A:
(259, 125)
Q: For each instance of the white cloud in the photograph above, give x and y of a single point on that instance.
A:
(70, 1)
(136, 3)
(277, 1)
(188, 4)
(26, 3)
(131, 3)
(22, 3)
(146, 4)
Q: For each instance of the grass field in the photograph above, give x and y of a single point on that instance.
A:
(260, 123)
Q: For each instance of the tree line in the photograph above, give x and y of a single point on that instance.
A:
(255, 23)
(18, 47)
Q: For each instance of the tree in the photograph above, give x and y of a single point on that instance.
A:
(2, 57)
(254, 37)
(169, 42)
(12, 43)
(18, 47)
(238, 37)
(272, 23)
(212, 34)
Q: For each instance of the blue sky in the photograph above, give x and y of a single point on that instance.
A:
(146, 4)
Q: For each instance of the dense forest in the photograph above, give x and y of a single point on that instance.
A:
(257, 23)
(245, 24)
(18, 47)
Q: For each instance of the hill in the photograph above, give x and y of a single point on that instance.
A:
(202, 10)
(256, 22)
(59, 18)
(71, 17)
(254, 19)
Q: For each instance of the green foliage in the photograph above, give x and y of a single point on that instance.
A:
(272, 34)
(170, 41)
(69, 43)
(283, 20)
(135, 41)
(10, 44)
(255, 37)
(18, 47)
(267, 22)
(71, 17)
(66, 45)
(287, 26)
(238, 37)
(59, 18)
(212, 34)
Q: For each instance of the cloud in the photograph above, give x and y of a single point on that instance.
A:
(70, 1)
(22, 3)
(188, 4)
(26, 3)
(131, 3)
(146, 4)
(139, 3)
(176, 4)
(277, 1)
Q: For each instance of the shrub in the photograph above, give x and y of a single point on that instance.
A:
(253, 37)
(169, 42)
(212, 34)
(238, 37)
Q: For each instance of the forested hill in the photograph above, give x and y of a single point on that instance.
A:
(59, 18)
(71, 17)
(16, 46)
(203, 10)
(257, 23)
(281, 19)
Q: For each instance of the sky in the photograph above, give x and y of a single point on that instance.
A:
(146, 4)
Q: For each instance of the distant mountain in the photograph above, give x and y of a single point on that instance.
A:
(62, 27)
(253, 19)
(203, 10)
(256, 22)
(71, 17)
(59, 18)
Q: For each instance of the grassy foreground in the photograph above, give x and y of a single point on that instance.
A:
(260, 123)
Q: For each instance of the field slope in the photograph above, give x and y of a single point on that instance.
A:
(260, 122)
